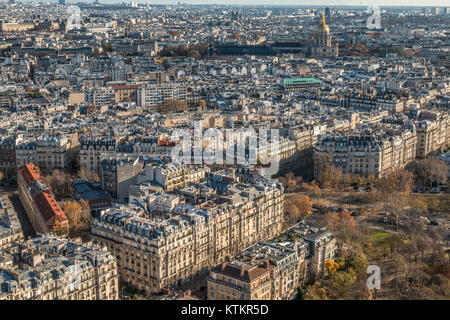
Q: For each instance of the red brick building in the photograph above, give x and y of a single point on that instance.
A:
(42, 209)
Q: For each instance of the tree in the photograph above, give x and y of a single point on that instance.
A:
(60, 184)
(291, 212)
(327, 175)
(298, 206)
(421, 245)
(196, 51)
(429, 172)
(320, 204)
(79, 217)
(345, 278)
(339, 284)
(419, 205)
(202, 104)
(401, 267)
(398, 181)
(86, 174)
(345, 225)
(304, 204)
(393, 190)
(332, 222)
(409, 249)
(364, 212)
(395, 243)
(291, 182)
(171, 105)
(355, 261)
(331, 266)
(316, 292)
(316, 191)
(107, 47)
(395, 207)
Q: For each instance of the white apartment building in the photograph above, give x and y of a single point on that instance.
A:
(99, 96)
(154, 94)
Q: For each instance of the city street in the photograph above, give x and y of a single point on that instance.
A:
(21, 213)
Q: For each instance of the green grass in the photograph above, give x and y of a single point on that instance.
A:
(440, 203)
(377, 242)
(380, 238)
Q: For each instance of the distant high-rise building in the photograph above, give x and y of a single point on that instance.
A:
(328, 14)
(11, 1)
(435, 11)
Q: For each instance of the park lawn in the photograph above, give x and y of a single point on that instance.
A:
(439, 202)
(380, 238)
(377, 242)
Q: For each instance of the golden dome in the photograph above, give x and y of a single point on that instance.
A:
(323, 28)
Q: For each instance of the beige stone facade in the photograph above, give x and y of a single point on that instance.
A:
(368, 154)
(433, 133)
(154, 254)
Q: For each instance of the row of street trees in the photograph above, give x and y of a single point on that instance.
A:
(426, 173)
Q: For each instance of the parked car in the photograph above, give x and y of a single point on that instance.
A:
(434, 223)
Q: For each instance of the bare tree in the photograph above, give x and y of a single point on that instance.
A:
(86, 174)
(429, 172)
(422, 244)
(79, 217)
(297, 206)
(171, 105)
(60, 184)
(393, 190)
(327, 175)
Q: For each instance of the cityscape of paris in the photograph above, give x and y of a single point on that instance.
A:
(189, 153)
